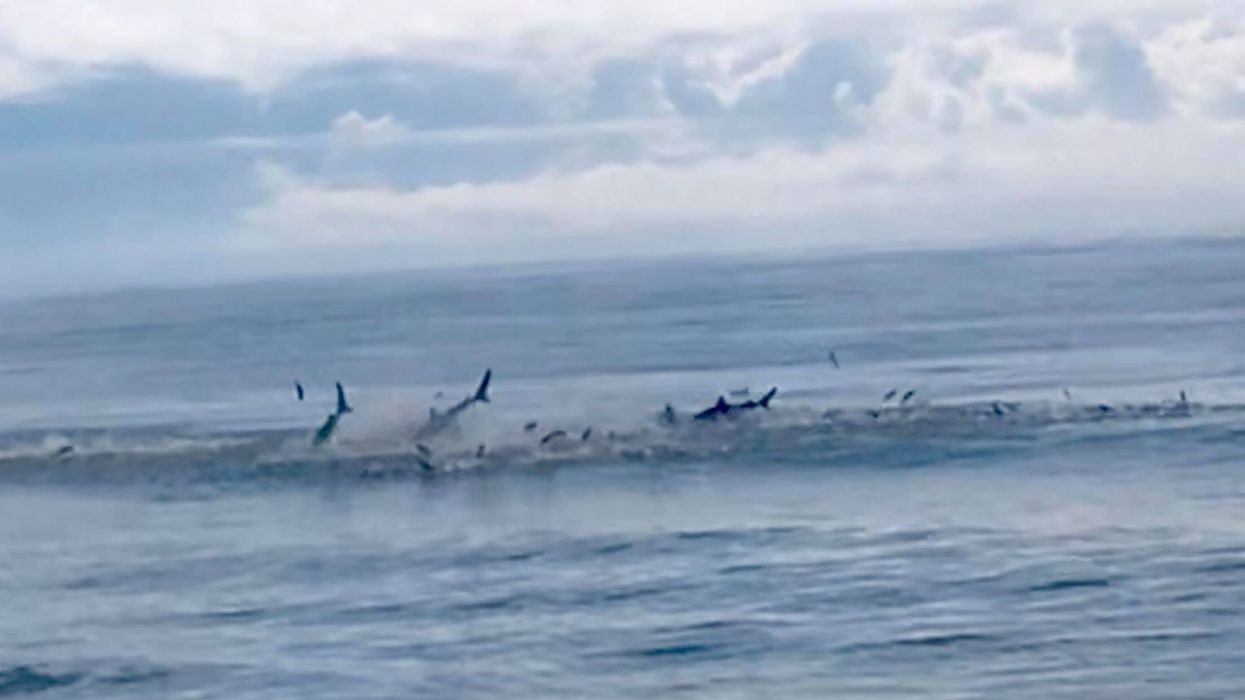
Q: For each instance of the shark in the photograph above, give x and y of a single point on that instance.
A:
(439, 421)
(325, 433)
(723, 408)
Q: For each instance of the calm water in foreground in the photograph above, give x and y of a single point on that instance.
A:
(993, 537)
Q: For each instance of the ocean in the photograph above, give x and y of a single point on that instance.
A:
(1055, 510)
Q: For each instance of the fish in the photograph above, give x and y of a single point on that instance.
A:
(439, 421)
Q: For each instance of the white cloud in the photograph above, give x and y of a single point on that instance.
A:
(1035, 128)
(1203, 60)
(1065, 180)
(20, 78)
(260, 43)
(355, 130)
(748, 124)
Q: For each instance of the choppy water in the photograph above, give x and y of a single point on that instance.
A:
(992, 537)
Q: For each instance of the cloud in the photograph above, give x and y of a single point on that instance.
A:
(19, 78)
(354, 130)
(1064, 181)
(262, 44)
(1116, 73)
(819, 93)
(426, 133)
(1202, 59)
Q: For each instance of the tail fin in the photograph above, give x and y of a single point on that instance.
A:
(342, 406)
(482, 392)
(769, 396)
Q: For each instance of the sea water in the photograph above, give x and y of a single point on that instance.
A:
(1045, 516)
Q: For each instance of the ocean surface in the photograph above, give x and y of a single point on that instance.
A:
(1046, 516)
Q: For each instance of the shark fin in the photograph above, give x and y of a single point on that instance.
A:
(482, 392)
(769, 396)
(342, 406)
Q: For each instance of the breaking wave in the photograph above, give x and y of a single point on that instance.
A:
(792, 433)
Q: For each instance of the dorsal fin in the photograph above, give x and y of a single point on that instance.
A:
(342, 406)
(482, 392)
(769, 396)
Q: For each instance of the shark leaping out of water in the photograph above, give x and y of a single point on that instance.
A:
(325, 433)
(722, 408)
(438, 421)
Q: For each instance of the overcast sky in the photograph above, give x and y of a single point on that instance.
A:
(155, 142)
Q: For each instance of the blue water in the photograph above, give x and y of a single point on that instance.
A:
(992, 537)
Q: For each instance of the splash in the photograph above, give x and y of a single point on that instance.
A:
(391, 448)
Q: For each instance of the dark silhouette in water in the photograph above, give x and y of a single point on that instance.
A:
(530, 426)
(763, 402)
(325, 433)
(298, 389)
(552, 436)
(586, 434)
(438, 422)
(668, 416)
(834, 359)
(908, 396)
(722, 408)
(890, 395)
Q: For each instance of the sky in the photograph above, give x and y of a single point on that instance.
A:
(177, 142)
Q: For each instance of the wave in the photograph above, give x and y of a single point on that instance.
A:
(25, 680)
(792, 432)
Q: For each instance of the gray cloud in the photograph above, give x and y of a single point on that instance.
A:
(817, 96)
(1116, 74)
(814, 99)
(1113, 77)
(1230, 104)
(960, 69)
